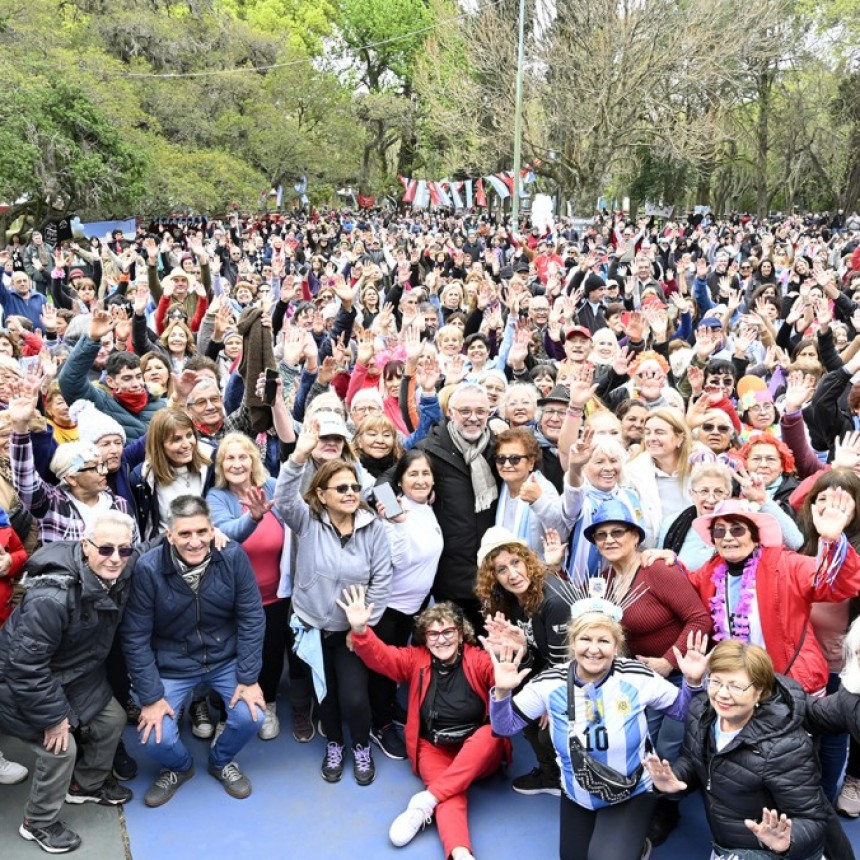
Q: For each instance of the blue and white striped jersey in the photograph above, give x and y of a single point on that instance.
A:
(609, 718)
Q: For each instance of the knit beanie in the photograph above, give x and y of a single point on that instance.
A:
(92, 424)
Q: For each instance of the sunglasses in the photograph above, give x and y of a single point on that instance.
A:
(513, 459)
(716, 428)
(615, 534)
(736, 530)
(343, 489)
(108, 550)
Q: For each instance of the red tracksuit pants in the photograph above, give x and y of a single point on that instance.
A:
(448, 772)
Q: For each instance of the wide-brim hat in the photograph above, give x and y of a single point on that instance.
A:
(769, 531)
(496, 537)
(613, 511)
(559, 394)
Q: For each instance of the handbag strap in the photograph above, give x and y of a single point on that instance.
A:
(797, 652)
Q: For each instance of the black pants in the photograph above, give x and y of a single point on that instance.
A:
(274, 647)
(393, 628)
(346, 692)
(613, 833)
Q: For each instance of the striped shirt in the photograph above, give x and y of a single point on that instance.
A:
(610, 719)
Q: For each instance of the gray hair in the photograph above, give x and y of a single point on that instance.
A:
(465, 388)
(187, 506)
(112, 517)
(204, 382)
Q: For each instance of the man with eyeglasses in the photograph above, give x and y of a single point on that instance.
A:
(553, 408)
(53, 688)
(466, 493)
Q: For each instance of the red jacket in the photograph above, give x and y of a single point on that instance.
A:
(12, 544)
(785, 594)
(412, 664)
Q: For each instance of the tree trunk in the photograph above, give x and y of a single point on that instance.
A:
(765, 85)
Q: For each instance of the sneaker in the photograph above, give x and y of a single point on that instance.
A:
(666, 817)
(201, 722)
(363, 768)
(848, 802)
(303, 724)
(536, 781)
(11, 772)
(462, 854)
(235, 783)
(219, 730)
(56, 838)
(418, 814)
(124, 766)
(332, 767)
(389, 741)
(166, 786)
(271, 727)
(109, 793)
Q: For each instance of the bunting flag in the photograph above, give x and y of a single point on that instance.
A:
(454, 188)
(499, 187)
(411, 186)
(422, 195)
(466, 193)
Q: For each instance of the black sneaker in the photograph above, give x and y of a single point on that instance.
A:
(235, 783)
(389, 741)
(124, 766)
(666, 818)
(303, 724)
(537, 782)
(166, 786)
(201, 722)
(332, 766)
(56, 838)
(363, 768)
(109, 793)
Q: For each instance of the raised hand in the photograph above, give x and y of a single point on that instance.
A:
(662, 775)
(553, 548)
(307, 441)
(621, 362)
(292, 345)
(506, 668)
(102, 322)
(365, 347)
(427, 377)
(831, 518)
(773, 831)
(799, 391)
(581, 386)
(696, 378)
(22, 405)
(353, 606)
(581, 451)
(455, 370)
(501, 632)
(256, 503)
(694, 663)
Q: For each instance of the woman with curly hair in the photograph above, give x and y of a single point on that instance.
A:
(527, 605)
(771, 461)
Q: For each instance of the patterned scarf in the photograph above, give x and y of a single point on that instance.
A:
(192, 574)
(483, 482)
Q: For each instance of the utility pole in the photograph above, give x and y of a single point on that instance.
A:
(518, 119)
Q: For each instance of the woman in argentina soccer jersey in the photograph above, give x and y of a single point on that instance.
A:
(596, 707)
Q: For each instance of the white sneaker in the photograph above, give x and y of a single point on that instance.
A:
(848, 802)
(271, 727)
(418, 814)
(461, 853)
(11, 772)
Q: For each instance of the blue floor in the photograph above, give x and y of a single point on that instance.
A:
(293, 813)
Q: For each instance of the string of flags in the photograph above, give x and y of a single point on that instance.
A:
(465, 193)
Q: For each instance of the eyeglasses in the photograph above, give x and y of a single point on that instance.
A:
(363, 410)
(736, 530)
(732, 689)
(101, 468)
(343, 489)
(762, 461)
(214, 400)
(716, 428)
(555, 412)
(108, 550)
(758, 408)
(435, 635)
(603, 536)
(706, 493)
(513, 459)
(465, 412)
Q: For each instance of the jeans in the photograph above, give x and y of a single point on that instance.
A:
(753, 854)
(832, 753)
(171, 753)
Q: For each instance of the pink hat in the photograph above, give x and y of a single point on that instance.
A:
(769, 531)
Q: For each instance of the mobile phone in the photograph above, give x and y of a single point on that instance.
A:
(271, 389)
(385, 494)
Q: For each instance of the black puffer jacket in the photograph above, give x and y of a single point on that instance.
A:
(54, 645)
(770, 763)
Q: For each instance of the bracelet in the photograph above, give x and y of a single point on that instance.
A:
(574, 412)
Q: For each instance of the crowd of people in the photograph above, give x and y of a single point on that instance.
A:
(419, 482)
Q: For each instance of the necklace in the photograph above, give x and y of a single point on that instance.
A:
(735, 625)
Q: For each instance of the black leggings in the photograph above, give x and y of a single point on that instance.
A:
(346, 692)
(393, 628)
(274, 647)
(612, 833)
